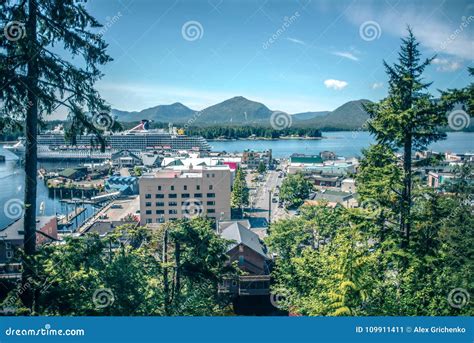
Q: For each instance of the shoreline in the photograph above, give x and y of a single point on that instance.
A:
(265, 139)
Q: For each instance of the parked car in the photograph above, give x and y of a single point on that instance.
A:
(274, 200)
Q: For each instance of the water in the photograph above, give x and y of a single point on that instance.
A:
(342, 143)
(12, 191)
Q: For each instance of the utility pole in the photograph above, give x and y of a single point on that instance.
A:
(269, 206)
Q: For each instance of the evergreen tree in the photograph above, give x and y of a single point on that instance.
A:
(408, 118)
(36, 80)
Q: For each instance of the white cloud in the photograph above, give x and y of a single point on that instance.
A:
(296, 41)
(346, 54)
(446, 65)
(377, 85)
(335, 84)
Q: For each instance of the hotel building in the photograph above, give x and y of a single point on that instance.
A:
(172, 194)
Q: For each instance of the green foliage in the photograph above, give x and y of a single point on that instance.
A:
(240, 191)
(294, 190)
(261, 168)
(123, 274)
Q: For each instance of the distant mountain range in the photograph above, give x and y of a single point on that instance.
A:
(241, 111)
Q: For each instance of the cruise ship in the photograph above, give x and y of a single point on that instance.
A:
(138, 139)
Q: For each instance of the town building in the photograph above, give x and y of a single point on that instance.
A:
(334, 198)
(125, 159)
(11, 239)
(252, 159)
(246, 248)
(169, 194)
(127, 185)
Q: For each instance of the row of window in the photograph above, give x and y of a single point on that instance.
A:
(149, 212)
(185, 187)
(184, 195)
(174, 203)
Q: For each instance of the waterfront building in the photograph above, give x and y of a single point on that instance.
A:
(252, 159)
(125, 159)
(126, 185)
(169, 194)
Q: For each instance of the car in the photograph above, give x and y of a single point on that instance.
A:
(274, 200)
(280, 205)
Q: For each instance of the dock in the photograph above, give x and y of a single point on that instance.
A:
(66, 221)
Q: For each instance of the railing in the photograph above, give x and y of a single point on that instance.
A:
(246, 285)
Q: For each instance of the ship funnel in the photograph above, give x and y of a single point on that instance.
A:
(145, 124)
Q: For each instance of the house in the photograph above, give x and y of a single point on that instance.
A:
(125, 159)
(11, 239)
(75, 174)
(348, 185)
(334, 198)
(246, 248)
(151, 160)
(438, 178)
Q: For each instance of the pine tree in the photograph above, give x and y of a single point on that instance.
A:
(408, 118)
(36, 80)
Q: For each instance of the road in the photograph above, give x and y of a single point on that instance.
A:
(259, 197)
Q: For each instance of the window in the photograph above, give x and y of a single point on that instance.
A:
(160, 204)
(8, 245)
(213, 175)
(159, 188)
(147, 196)
(159, 196)
(198, 187)
(173, 211)
(211, 210)
(185, 187)
(9, 254)
(148, 220)
(185, 195)
(148, 212)
(211, 203)
(210, 187)
(172, 203)
(241, 248)
(198, 195)
(172, 195)
(148, 204)
(160, 212)
(211, 195)
(172, 188)
(241, 260)
(207, 175)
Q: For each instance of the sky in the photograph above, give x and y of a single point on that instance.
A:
(293, 56)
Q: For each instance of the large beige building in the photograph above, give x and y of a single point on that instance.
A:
(171, 194)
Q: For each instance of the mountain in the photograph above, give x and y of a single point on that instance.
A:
(350, 116)
(176, 113)
(241, 111)
(308, 115)
(237, 110)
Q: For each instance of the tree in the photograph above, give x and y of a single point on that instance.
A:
(294, 190)
(261, 167)
(36, 80)
(240, 191)
(408, 118)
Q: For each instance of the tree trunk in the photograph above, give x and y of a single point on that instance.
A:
(31, 130)
(166, 288)
(405, 220)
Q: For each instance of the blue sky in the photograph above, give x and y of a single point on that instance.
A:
(294, 56)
